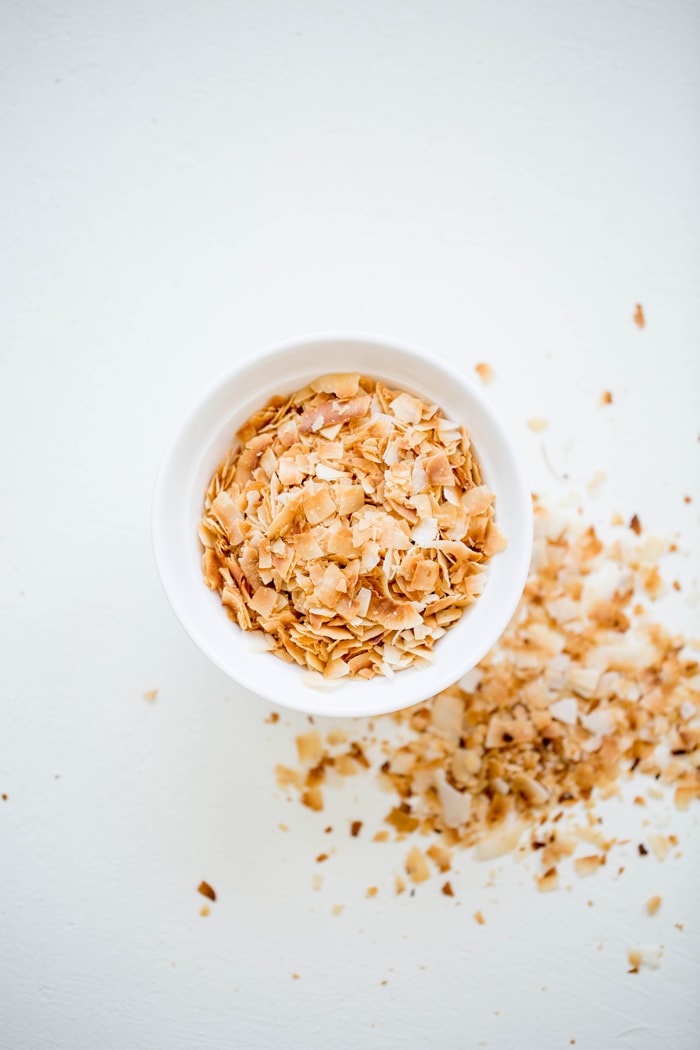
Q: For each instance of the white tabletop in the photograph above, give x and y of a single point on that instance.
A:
(185, 182)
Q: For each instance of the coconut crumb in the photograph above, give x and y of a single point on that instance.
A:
(638, 316)
(660, 845)
(479, 918)
(606, 398)
(206, 890)
(537, 424)
(417, 866)
(485, 372)
(548, 881)
(585, 866)
(150, 694)
(653, 905)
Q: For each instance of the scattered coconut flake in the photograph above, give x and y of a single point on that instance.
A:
(537, 424)
(485, 373)
(589, 865)
(649, 957)
(660, 845)
(565, 710)
(548, 881)
(638, 316)
(653, 905)
(416, 865)
(596, 481)
(206, 890)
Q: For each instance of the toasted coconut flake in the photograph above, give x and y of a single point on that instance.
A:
(310, 747)
(549, 881)
(407, 408)
(206, 890)
(318, 506)
(565, 710)
(660, 845)
(313, 798)
(589, 865)
(485, 373)
(456, 806)
(417, 867)
(343, 385)
(264, 601)
(440, 856)
(653, 905)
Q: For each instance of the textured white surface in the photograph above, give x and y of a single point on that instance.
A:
(183, 182)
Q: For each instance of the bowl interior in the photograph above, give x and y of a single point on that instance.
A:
(202, 442)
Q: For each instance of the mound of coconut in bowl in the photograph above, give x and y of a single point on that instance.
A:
(349, 524)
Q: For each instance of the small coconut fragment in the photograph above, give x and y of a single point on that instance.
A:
(585, 866)
(310, 747)
(206, 890)
(565, 710)
(440, 856)
(343, 385)
(416, 866)
(653, 905)
(313, 798)
(485, 372)
(455, 805)
(660, 845)
(548, 881)
(537, 424)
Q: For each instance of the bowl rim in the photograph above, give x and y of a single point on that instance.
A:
(317, 699)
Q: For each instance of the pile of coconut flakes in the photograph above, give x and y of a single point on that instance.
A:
(583, 691)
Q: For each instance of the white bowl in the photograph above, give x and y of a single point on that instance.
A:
(201, 443)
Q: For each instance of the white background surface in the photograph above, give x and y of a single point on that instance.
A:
(182, 183)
